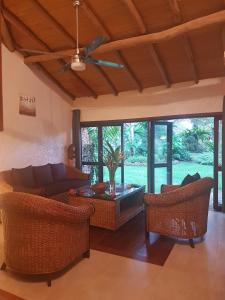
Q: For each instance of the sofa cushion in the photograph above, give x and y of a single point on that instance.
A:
(43, 175)
(23, 177)
(64, 186)
(189, 179)
(58, 171)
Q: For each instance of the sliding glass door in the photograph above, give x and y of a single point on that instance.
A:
(157, 152)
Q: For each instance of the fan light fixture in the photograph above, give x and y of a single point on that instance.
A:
(77, 64)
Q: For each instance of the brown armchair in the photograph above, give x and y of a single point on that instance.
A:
(42, 236)
(179, 211)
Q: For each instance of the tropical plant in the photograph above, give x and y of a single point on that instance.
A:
(112, 159)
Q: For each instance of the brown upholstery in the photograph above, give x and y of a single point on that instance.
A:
(42, 235)
(179, 211)
(49, 179)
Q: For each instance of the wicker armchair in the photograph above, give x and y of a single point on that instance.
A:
(179, 211)
(42, 236)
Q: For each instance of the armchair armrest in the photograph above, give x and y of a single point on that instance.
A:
(44, 208)
(168, 188)
(181, 194)
(74, 173)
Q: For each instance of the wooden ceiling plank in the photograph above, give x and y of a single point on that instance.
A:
(55, 81)
(133, 10)
(23, 28)
(136, 15)
(96, 20)
(176, 11)
(107, 79)
(187, 43)
(160, 66)
(127, 66)
(179, 30)
(6, 35)
(55, 24)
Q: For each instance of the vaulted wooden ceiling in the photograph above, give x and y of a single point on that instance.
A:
(160, 42)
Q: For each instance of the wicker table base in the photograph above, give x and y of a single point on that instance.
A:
(111, 214)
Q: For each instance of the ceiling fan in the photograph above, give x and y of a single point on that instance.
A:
(78, 61)
(82, 57)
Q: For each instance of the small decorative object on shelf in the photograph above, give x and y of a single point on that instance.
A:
(99, 188)
(112, 160)
(72, 191)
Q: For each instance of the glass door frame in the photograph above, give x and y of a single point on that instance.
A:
(152, 164)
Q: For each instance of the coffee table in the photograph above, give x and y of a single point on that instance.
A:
(111, 213)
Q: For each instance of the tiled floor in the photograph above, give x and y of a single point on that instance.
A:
(188, 274)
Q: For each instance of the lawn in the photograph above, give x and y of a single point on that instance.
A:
(138, 174)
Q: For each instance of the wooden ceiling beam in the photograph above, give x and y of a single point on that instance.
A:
(190, 55)
(6, 35)
(179, 30)
(107, 79)
(131, 72)
(96, 21)
(23, 28)
(187, 43)
(55, 81)
(55, 24)
(159, 65)
(134, 11)
(223, 40)
(136, 15)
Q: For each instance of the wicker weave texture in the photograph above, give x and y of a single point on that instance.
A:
(42, 236)
(180, 211)
(112, 214)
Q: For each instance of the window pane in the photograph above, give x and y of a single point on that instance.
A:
(117, 176)
(220, 188)
(135, 150)
(93, 171)
(160, 178)
(112, 135)
(160, 154)
(89, 138)
(220, 144)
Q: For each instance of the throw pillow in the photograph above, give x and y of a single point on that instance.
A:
(43, 175)
(23, 177)
(58, 171)
(189, 179)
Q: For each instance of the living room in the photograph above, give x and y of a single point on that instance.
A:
(173, 80)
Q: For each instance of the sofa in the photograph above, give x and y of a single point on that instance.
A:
(46, 180)
(43, 236)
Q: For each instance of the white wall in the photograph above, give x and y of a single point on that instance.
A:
(31, 140)
(185, 98)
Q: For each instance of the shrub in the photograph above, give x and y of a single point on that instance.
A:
(205, 158)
